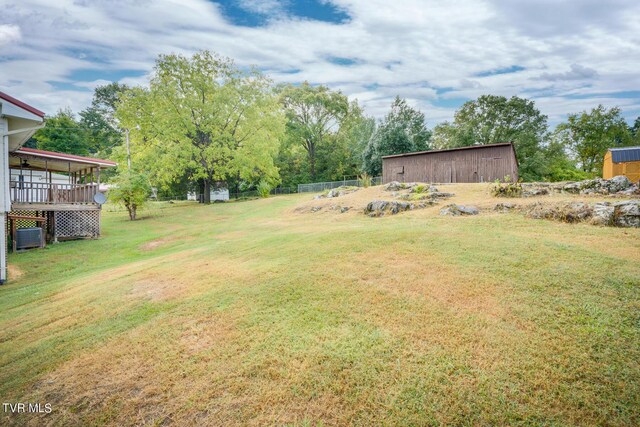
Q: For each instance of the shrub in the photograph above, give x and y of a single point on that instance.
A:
(131, 190)
(365, 180)
(506, 188)
(264, 189)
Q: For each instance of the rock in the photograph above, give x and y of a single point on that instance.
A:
(567, 212)
(618, 183)
(316, 209)
(377, 208)
(631, 191)
(341, 191)
(394, 186)
(602, 214)
(504, 207)
(318, 197)
(627, 214)
(572, 187)
(535, 191)
(344, 209)
(441, 195)
(457, 210)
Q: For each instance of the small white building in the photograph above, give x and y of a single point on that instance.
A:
(217, 194)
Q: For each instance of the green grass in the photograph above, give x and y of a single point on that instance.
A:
(248, 313)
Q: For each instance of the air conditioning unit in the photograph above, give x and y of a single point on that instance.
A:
(28, 238)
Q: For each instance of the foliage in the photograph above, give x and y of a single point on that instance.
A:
(63, 134)
(322, 121)
(205, 116)
(364, 180)
(131, 190)
(403, 130)
(589, 134)
(492, 119)
(506, 188)
(263, 188)
(101, 128)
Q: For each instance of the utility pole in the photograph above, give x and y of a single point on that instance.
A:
(126, 134)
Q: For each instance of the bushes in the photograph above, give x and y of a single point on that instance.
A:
(264, 189)
(506, 188)
(365, 180)
(131, 190)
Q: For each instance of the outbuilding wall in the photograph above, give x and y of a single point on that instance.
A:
(469, 164)
(629, 169)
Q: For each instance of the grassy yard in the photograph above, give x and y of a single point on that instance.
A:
(253, 313)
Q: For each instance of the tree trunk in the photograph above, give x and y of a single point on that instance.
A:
(312, 161)
(200, 190)
(207, 191)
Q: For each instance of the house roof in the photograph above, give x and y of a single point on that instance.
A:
(625, 154)
(471, 147)
(50, 160)
(21, 104)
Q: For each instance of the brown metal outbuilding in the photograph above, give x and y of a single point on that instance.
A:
(477, 163)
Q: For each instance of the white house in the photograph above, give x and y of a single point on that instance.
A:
(57, 191)
(18, 122)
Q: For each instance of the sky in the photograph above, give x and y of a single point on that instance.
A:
(567, 56)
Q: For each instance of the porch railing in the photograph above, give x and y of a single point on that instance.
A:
(38, 192)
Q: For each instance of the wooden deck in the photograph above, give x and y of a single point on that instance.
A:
(55, 207)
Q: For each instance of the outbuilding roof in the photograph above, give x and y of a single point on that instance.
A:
(625, 154)
(470, 147)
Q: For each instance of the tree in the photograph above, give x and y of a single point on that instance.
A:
(635, 131)
(317, 117)
(132, 190)
(492, 119)
(102, 130)
(62, 134)
(589, 134)
(403, 130)
(205, 115)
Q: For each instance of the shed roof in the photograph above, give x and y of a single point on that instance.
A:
(470, 147)
(625, 154)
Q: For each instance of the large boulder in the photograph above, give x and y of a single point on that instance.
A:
(618, 183)
(377, 208)
(627, 214)
(602, 214)
(457, 210)
(395, 186)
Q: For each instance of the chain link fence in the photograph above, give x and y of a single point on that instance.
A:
(316, 187)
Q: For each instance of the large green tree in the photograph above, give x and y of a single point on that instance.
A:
(492, 119)
(589, 134)
(321, 120)
(101, 128)
(402, 130)
(205, 115)
(62, 134)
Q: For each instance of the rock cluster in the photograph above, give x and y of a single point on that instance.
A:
(618, 185)
(620, 214)
(457, 210)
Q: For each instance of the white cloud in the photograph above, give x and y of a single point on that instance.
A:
(431, 52)
(9, 34)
